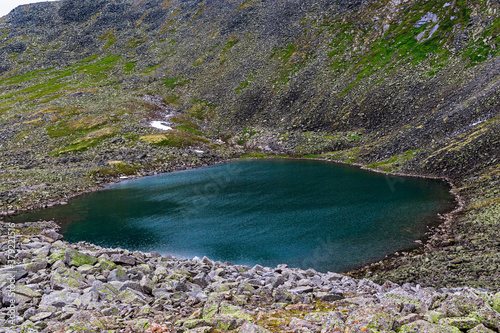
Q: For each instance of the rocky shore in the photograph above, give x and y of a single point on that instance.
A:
(62, 287)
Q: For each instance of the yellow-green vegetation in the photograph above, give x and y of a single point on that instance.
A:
(129, 66)
(116, 168)
(186, 124)
(171, 99)
(262, 155)
(75, 126)
(110, 39)
(244, 84)
(201, 109)
(90, 140)
(246, 135)
(175, 138)
(393, 163)
(171, 83)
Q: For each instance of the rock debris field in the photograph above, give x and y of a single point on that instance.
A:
(62, 287)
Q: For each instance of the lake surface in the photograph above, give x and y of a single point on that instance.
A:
(298, 212)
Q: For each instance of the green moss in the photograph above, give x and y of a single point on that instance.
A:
(25, 77)
(129, 66)
(171, 83)
(181, 139)
(229, 45)
(116, 170)
(387, 165)
(244, 84)
(110, 39)
(171, 99)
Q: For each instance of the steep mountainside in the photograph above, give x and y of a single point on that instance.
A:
(399, 86)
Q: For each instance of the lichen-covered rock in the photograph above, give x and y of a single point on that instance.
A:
(462, 323)
(480, 329)
(421, 326)
(159, 291)
(488, 317)
(252, 328)
(75, 258)
(58, 299)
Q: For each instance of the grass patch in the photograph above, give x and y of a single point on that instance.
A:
(171, 83)
(261, 155)
(65, 128)
(392, 163)
(90, 140)
(129, 66)
(116, 169)
(176, 138)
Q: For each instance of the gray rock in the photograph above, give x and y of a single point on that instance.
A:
(118, 275)
(147, 285)
(480, 329)
(123, 259)
(302, 290)
(58, 299)
(75, 258)
(252, 328)
(40, 316)
(18, 272)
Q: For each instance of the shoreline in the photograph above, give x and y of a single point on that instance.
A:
(422, 244)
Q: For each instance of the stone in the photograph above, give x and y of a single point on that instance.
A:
(75, 258)
(495, 302)
(105, 291)
(433, 316)
(329, 297)
(283, 296)
(480, 329)
(302, 290)
(25, 291)
(111, 311)
(122, 259)
(488, 317)
(58, 299)
(462, 323)
(40, 316)
(410, 318)
(67, 279)
(147, 285)
(18, 271)
(52, 234)
(86, 269)
(421, 326)
(36, 265)
(132, 297)
(248, 327)
(118, 275)
(297, 323)
(105, 264)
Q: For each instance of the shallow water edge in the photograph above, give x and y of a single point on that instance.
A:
(447, 218)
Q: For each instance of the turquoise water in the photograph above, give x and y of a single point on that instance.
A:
(301, 213)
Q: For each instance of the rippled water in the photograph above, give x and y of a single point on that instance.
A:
(302, 213)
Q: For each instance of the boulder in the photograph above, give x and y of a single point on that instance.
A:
(75, 258)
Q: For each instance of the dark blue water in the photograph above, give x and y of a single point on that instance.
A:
(302, 213)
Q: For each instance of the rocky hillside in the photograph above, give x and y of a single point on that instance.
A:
(404, 87)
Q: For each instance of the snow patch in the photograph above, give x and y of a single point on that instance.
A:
(163, 125)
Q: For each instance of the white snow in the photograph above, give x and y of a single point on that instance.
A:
(163, 125)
